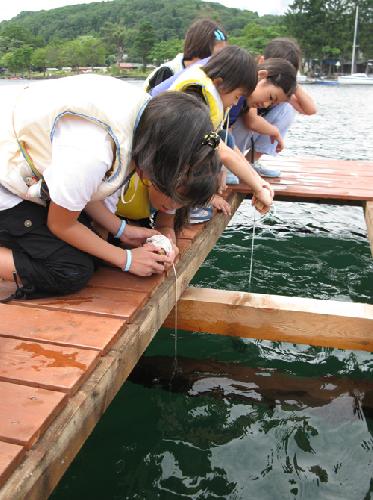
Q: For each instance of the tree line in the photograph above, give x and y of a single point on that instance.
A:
(103, 33)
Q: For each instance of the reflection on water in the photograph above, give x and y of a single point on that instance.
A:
(255, 419)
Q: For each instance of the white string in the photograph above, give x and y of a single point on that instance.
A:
(272, 209)
(252, 251)
(175, 328)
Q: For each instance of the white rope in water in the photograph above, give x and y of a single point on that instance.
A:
(252, 251)
(272, 210)
(175, 328)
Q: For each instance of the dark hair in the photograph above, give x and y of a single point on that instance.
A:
(284, 48)
(281, 73)
(201, 37)
(235, 66)
(167, 146)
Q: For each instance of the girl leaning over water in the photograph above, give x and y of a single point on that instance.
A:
(68, 148)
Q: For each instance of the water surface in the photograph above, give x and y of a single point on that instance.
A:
(249, 419)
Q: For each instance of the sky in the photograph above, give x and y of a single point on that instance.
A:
(10, 8)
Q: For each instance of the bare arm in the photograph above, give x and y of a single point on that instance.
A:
(236, 163)
(261, 126)
(132, 236)
(64, 224)
(303, 102)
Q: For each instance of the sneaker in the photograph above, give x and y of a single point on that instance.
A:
(266, 171)
(199, 214)
(231, 178)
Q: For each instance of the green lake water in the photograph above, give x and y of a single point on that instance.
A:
(249, 419)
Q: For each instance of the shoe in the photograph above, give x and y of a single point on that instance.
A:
(199, 214)
(266, 171)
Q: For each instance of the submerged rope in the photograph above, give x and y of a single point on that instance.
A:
(272, 210)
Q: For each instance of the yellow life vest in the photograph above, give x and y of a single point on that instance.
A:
(30, 114)
(195, 76)
(136, 204)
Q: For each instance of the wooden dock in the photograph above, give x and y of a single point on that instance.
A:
(63, 359)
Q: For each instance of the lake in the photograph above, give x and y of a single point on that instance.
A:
(249, 419)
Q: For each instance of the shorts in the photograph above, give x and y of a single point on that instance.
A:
(44, 264)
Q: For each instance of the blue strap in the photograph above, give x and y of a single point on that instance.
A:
(121, 229)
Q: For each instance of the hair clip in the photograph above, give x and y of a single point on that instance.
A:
(219, 35)
(211, 139)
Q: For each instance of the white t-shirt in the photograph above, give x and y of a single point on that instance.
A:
(82, 152)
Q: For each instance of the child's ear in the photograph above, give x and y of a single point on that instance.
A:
(262, 73)
(218, 82)
(261, 59)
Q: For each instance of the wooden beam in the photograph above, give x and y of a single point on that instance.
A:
(47, 461)
(324, 323)
(368, 211)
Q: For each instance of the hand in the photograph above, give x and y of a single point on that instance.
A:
(263, 198)
(220, 204)
(135, 236)
(146, 260)
(280, 142)
(170, 258)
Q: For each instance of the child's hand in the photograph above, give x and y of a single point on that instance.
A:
(135, 236)
(220, 204)
(263, 198)
(170, 258)
(146, 261)
(280, 142)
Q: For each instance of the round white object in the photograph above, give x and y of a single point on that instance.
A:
(161, 242)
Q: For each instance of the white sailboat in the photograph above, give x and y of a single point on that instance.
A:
(356, 78)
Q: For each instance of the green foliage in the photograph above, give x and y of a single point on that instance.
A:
(255, 36)
(144, 41)
(325, 28)
(115, 36)
(18, 60)
(165, 50)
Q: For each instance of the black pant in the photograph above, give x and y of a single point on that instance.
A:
(45, 264)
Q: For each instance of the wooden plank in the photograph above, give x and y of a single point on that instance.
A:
(324, 323)
(26, 411)
(62, 328)
(368, 212)
(46, 463)
(191, 231)
(10, 457)
(44, 365)
(308, 162)
(311, 192)
(98, 301)
(107, 277)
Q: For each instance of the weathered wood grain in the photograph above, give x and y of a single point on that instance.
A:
(58, 327)
(368, 211)
(44, 365)
(44, 465)
(26, 411)
(327, 323)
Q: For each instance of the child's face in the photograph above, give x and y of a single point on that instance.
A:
(266, 94)
(160, 201)
(230, 99)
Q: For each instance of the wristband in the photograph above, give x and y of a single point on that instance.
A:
(121, 229)
(127, 266)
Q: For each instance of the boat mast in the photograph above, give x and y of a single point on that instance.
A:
(354, 43)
